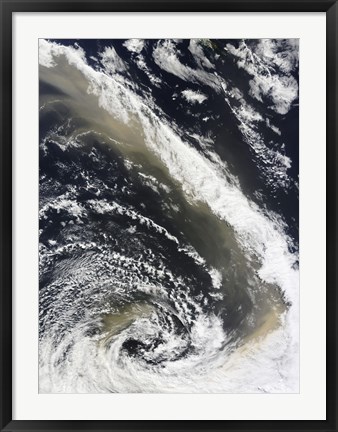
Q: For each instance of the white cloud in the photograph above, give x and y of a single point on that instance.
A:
(272, 127)
(270, 63)
(194, 97)
(141, 63)
(248, 114)
(166, 56)
(111, 61)
(281, 90)
(274, 163)
(45, 54)
(49, 50)
(216, 278)
(197, 51)
(280, 53)
(134, 45)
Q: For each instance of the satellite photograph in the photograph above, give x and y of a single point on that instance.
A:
(168, 216)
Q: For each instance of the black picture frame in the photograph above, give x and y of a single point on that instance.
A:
(8, 7)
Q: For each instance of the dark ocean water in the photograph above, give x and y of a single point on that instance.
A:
(159, 208)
